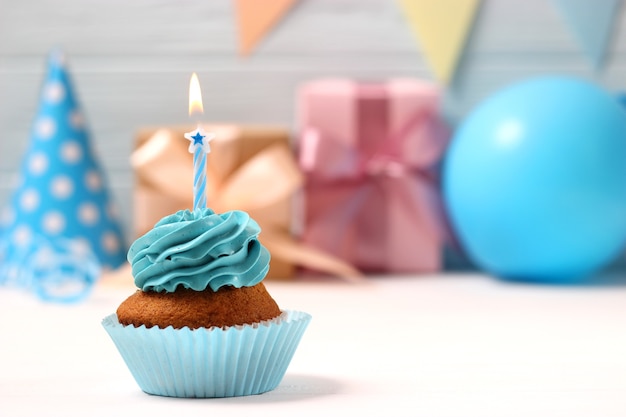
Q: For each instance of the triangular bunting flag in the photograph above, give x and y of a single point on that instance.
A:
(256, 18)
(441, 27)
(592, 24)
(60, 224)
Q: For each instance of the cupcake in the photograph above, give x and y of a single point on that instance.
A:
(202, 323)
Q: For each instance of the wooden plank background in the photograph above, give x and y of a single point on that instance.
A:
(131, 61)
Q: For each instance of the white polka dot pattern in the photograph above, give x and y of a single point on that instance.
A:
(71, 152)
(45, 128)
(53, 222)
(88, 214)
(38, 163)
(29, 200)
(22, 235)
(76, 119)
(62, 187)
(93, 181)
(54, 92)
(110, 242)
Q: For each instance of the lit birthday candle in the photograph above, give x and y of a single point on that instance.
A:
(198, 145)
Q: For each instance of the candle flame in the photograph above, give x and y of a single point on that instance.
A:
(195, 96)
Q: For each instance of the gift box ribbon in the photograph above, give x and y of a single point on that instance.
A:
(267, 177)
(375, 163)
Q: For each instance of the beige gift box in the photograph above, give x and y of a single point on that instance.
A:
(250, 168)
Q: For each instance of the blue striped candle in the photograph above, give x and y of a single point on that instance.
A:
(199, 146)
(199, 178)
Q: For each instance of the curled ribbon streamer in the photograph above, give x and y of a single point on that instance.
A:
(60, 270)
(267, 177)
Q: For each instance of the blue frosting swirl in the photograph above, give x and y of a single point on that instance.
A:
(197, 249)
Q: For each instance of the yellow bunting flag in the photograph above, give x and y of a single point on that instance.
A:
(256, 18)
(441, 27)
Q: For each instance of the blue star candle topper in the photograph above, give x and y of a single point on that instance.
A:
(199, 138)
(199, 145)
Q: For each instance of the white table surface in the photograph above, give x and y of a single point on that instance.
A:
(450, 345)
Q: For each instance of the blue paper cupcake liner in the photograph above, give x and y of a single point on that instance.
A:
(215, 362)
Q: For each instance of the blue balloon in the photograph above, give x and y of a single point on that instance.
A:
(534, 180)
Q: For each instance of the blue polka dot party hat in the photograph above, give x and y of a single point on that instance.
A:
(60, 227)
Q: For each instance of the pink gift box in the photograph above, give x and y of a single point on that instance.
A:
(368, 152)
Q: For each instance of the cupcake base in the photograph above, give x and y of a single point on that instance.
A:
(228, 306)
(209, 363)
